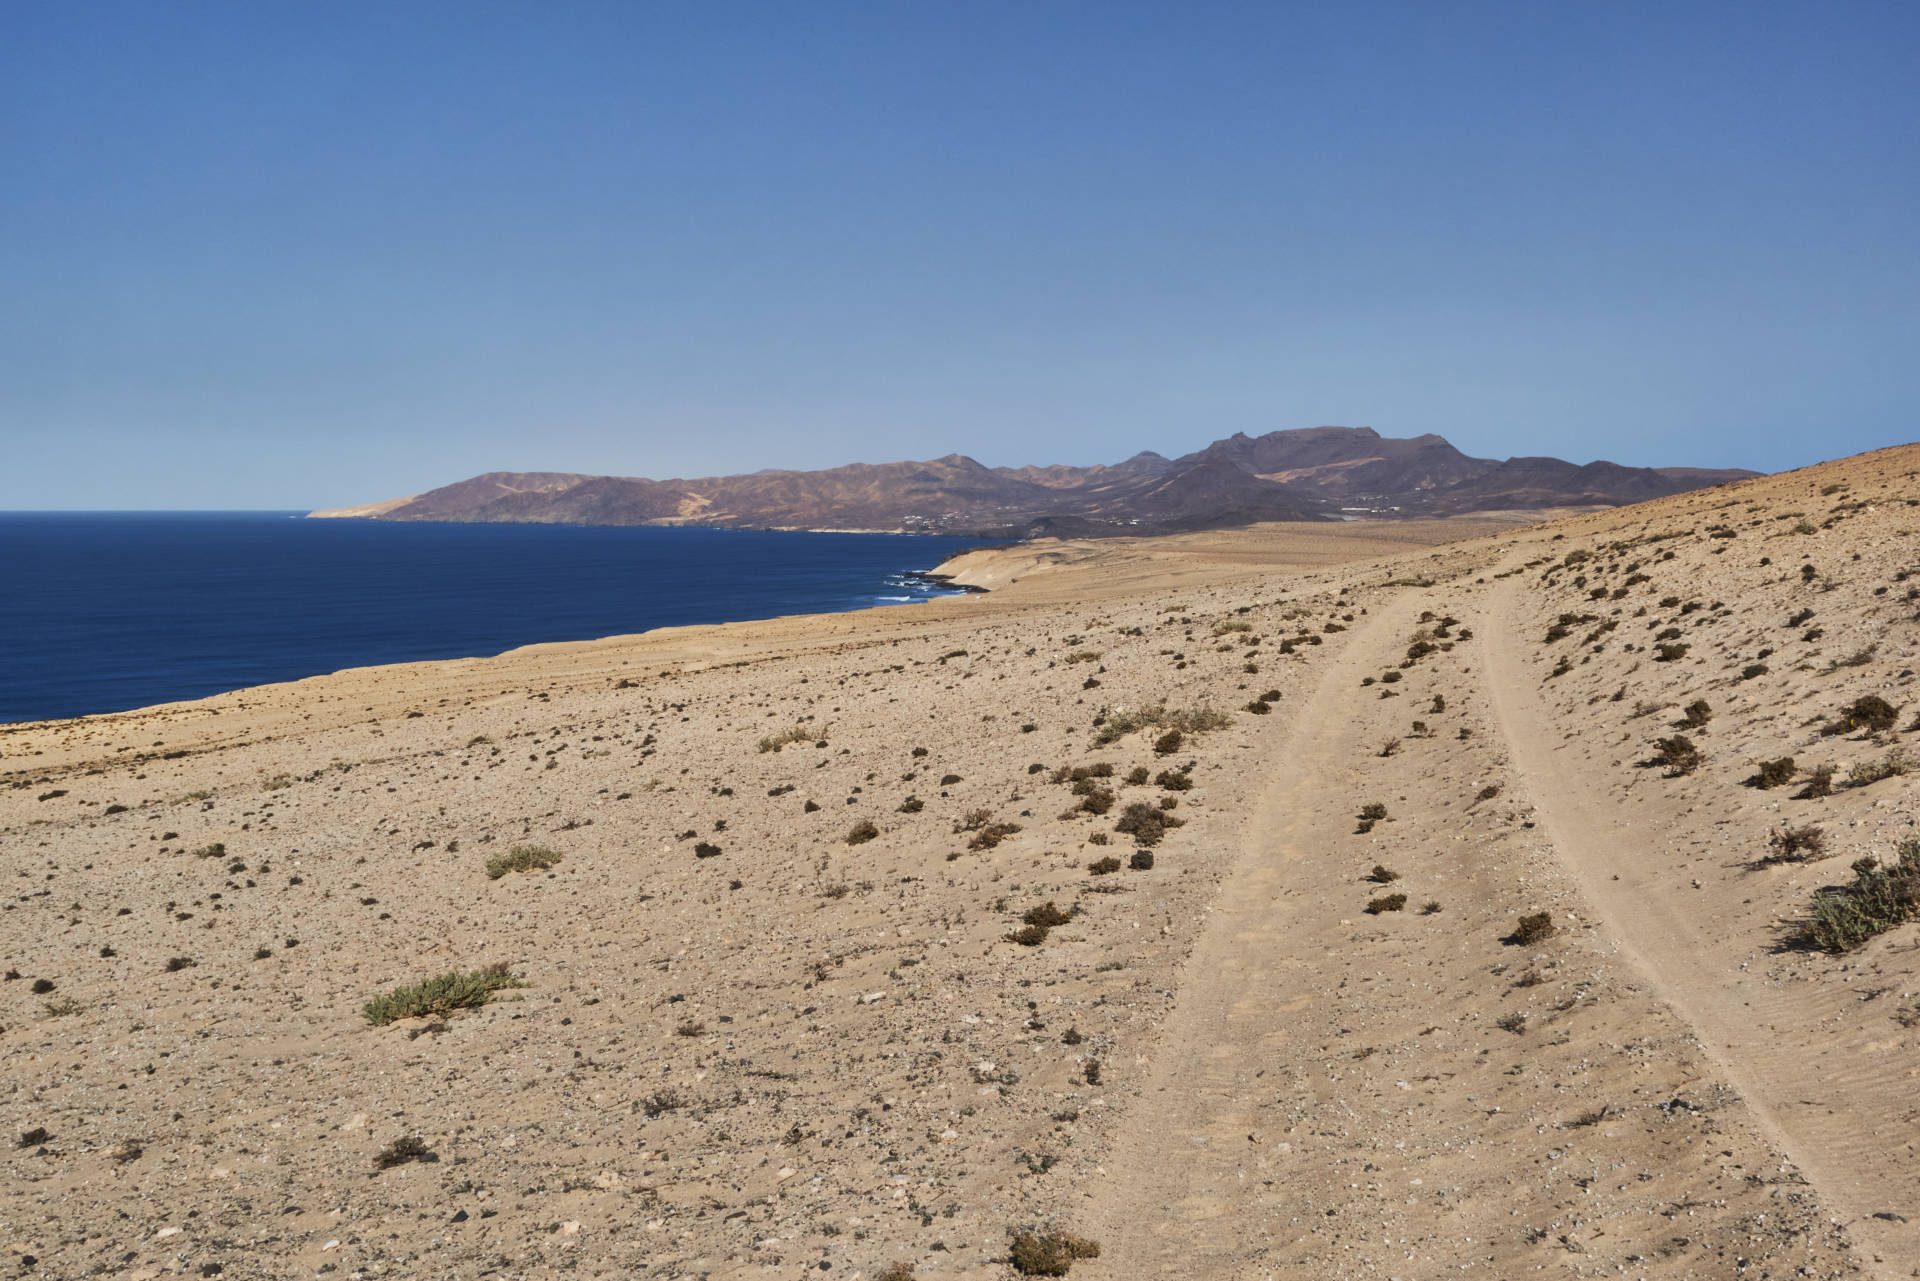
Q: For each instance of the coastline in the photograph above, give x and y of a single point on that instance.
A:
(994, 582)
(774, 961)
(127, 610)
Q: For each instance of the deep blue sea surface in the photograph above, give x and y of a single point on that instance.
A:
(101, 612)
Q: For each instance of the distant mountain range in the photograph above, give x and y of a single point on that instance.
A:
(1315, 473)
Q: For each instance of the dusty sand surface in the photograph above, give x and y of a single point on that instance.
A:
(749, 1044)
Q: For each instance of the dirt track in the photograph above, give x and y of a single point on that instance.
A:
(798, 1053)
(1212, 1175)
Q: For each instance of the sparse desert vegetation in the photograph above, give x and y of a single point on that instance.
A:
(1880, 897)
(1796, 844)
(443, 994)
(962, 948)
(1048, 1252)
(1176, 725)
(787, 738)
(521, 858)
(1532, 928)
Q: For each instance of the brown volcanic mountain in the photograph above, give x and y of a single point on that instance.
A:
(1349, 462)
(1317, 473)
(1541, 482)
(1064, 476)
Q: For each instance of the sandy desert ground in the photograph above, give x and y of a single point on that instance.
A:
(877, 940)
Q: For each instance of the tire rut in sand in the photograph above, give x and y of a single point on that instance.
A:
(1341, 1094)
(1615, 863)
(1181, 1198)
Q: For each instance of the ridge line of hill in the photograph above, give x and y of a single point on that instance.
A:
(1309, 474)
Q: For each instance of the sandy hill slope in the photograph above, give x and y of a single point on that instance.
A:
(1285, 902)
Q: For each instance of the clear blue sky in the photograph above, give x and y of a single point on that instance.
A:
(290, 255)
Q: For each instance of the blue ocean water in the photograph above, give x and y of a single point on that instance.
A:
(102, 612)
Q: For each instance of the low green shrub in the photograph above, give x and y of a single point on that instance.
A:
(1187, 720)
(1879, 898)
(1049, 1253)
(991, 835)
(1680, 754)
(1046, 914)
(1082, 774)
(1147, 824)
(1796, 845)
(521, 858)
(1859, 658)
(1870, 712)
(1819, 784)
(1096, 800)
(1532, 929)
(796, 734)
(442, 995)
(403, 1151)
(1893, 765)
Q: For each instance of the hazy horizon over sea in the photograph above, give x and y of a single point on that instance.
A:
(107, 611)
